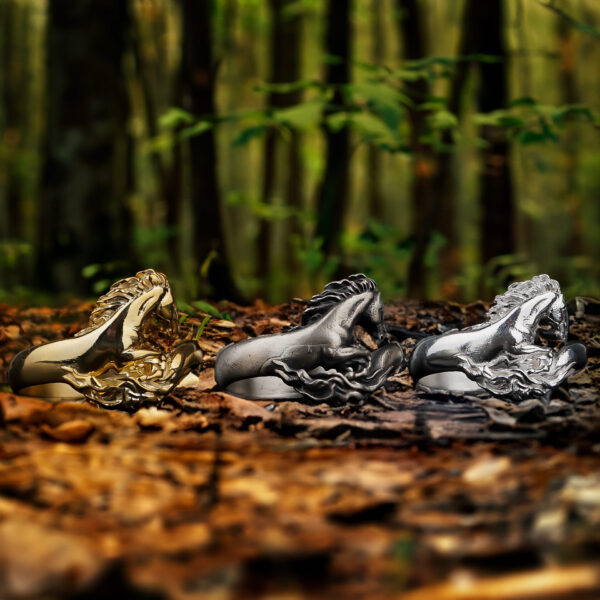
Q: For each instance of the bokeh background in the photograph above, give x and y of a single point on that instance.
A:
(258, 148)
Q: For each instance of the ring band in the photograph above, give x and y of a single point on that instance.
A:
(321, 360)
(504, 355)
(113, 362)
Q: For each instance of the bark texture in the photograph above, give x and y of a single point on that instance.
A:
(84, 216)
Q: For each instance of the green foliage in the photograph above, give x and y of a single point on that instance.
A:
(528, 122)
(202, 326)
(12, 252)
(314, 260)
(206, 307)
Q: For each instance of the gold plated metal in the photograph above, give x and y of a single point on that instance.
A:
(116, 361)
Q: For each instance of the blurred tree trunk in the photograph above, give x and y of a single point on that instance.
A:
(333, 195)
(14, 22)
(445, 180)
(198, 95)
(284, 68)
(495, 192)
(374, 193)
(168, 170)
(84, 216)
(414, 46)
(570, 141)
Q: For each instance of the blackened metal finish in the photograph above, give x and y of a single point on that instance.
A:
(321, 360)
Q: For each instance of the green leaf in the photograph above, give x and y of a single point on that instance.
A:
(250, 133)
(101, 286)
(526, 138)
(508, 121)
(372, 127)
(380, 94)
(337, 121)
(202, 326)
(524, 101)
(302, 116)
(174, 117)
(206, 307)
(563, 113)
(90, 270)
(443, 120)
(286, 88)
(197, 129)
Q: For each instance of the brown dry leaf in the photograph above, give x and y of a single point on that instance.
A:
(37, 560)
(213, 496)
(486, 470)
(22, 408)
(553, 582)
(77, 430)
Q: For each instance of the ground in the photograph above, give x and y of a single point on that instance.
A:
(211, 496)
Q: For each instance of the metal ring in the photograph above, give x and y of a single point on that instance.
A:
(504, 356)
(321, 360)
(113, 362)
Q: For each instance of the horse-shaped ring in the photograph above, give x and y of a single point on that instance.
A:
(114, 362)
(322, 359)
(506, 355)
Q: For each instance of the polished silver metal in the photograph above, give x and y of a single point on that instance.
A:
(506, 355)
(114, 362)
(321, 360)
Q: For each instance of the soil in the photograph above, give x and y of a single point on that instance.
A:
(207, 495)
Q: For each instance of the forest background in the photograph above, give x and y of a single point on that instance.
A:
(259, 148)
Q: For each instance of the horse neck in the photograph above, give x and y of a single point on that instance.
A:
(346, 314)
(122, 313)
(525, 317)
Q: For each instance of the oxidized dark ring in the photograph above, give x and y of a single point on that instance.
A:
(113, 362)
(322, 359)
(504, 356)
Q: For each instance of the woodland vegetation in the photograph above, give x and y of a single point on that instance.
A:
(253, 150)
(258, 148)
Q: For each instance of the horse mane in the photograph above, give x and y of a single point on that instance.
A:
(520, 292)
(121, 293)
(334, 293)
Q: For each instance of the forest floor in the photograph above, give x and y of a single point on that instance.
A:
(210, 496)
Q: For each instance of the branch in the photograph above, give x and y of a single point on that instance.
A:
(589, 29)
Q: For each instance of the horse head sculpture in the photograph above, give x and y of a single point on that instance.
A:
(322, 359)
(114, 362)
(504, 356)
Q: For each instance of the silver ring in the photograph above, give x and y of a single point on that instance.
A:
(322, 359)
(114, 362)
(505, 355)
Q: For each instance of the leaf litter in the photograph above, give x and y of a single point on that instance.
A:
(212, 496)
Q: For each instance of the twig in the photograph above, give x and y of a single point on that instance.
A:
(572, 21)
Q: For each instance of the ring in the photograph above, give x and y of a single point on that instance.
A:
(506, 355)
(114, 362)
(322, 359)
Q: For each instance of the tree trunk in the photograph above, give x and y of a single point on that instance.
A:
(14, 24)
(374, 193)
(285, 67)
(84, 217)
(168, 173)
(444, 182)
(424, 165)
(496, 193)
(570, 144)
(333, 196)
(198, 95)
